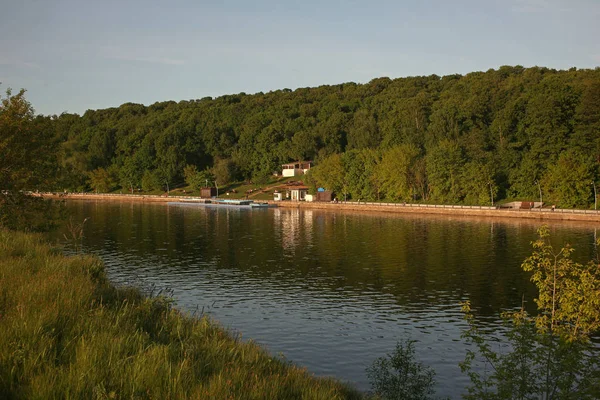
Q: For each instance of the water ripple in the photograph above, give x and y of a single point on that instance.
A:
(331, 291)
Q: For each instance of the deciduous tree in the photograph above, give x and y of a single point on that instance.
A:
(548, 355)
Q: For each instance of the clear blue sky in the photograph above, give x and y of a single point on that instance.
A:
(74, 55)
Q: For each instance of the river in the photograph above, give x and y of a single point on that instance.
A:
(331, 291)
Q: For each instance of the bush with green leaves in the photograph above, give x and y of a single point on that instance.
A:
(549, 355)
(400, 376)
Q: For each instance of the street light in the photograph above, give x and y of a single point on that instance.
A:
(541, 200)
(491, 193)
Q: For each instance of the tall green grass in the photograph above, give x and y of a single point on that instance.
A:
(66, 332)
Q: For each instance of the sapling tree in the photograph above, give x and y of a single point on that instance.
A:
(549, 355)
(400, 376)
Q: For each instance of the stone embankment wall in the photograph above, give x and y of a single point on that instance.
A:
(479, 211)
(538, 214)
(118, 197)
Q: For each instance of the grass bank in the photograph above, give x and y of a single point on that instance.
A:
(66, 332)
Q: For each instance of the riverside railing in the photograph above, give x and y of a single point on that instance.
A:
(128, 195)
(453, 206)
(366, 203)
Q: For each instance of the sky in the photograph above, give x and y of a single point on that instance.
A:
(75, 55)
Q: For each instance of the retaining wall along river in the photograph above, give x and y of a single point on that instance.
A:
(481, 211)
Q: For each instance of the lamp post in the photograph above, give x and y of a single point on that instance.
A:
(491, 193)
(541, 200)
(217, 189)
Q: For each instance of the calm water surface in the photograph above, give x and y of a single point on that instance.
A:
(329, 291)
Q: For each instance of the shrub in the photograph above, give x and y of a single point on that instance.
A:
(401, 376)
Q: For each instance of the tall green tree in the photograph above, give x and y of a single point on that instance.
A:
(568, 182)
(197, 179)
(330, 174)
(28, 155)
(397, 172)
(479, 184)
(224, 171)
(361, 174)
(103, 180)
(28, 161)
(152, 180)
(445, 166)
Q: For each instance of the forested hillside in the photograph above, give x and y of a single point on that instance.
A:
(509, 133)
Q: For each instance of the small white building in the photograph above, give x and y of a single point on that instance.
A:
(298, 193)
(296, 168)
(277, 196)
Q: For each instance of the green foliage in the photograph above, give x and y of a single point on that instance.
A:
(102, 180)
(133, 170)
(152, 181)
(400, 376)
(27, 147)
(568, 182)
(224, 171)
(27, 162)
(66, 330)
(101, 148)
(360, 168)
(19, 211)
(197, 179)
(479, 184)
(524, 180)
(330, 174)
(569, 292)
(445, 164)
(397, 172)
(364, 131)
(549, 355)
(520, 125)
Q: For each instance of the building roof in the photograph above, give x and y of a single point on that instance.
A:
(296, 162)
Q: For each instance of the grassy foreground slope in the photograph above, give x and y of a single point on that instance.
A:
(66, 332)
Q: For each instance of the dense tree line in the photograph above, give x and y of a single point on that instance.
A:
(505, 133)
